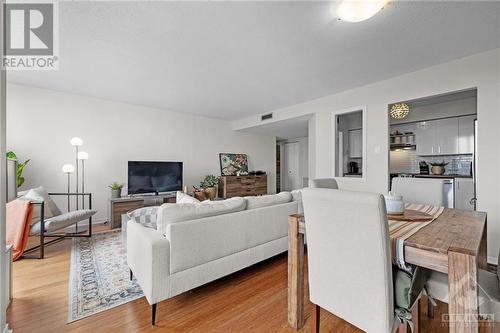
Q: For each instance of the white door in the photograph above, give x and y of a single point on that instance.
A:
(356, 143)
(291, 167)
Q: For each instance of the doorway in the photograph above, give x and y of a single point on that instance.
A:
(291, 179)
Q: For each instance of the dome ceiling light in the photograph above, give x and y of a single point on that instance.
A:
(399, 110)
(358, 10)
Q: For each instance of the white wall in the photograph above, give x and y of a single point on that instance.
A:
(41, 123)
(481, 71)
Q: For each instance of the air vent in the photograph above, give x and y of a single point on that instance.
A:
(266, 116)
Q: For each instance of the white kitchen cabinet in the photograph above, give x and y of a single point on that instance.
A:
(466, 134)
(425, 134)
(464, 192)
(356, 143)
(437, 137)
(446, 136)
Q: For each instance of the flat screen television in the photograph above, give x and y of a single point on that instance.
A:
(154, 177)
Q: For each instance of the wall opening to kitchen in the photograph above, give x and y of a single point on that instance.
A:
(434, 137)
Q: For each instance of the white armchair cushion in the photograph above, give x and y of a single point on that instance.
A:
(63, 220)
(172, 213)
(268, 200)
(40, 194)
(182, 197)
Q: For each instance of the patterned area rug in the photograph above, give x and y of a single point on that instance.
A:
(99, 277)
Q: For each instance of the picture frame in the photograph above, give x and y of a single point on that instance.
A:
(233, 164)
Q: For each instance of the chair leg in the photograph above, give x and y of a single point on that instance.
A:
(403, 328)
(153, 314)
(430, 309)
(415, 315)
(131, 274)
(315, 312)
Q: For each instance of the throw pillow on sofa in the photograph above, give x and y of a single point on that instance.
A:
(268, 200)
(182, 197)
(173, 213)
(147, 216)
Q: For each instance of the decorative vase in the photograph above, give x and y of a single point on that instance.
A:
(199, 195)
(115, 194)
(210, 193)
(437, 170)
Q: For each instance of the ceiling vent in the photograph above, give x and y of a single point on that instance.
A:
(266, 116)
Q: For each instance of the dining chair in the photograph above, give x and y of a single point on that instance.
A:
(488, 291)
(330, 183)
(349, 258)
(419, 190)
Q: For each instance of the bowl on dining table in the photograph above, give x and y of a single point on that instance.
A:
(394, 203)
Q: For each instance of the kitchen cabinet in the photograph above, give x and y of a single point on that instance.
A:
(356, 143)
(466, 134)
(437, 137)
(446, 136)
(464, 193)
(425, 134)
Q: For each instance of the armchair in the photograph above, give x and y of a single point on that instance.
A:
(46, 227)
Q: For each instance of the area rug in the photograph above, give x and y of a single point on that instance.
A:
(99, 276)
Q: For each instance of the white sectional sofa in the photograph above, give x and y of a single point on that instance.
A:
(195, 243)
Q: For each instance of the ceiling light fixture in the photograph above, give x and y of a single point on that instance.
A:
(359, 10)
(399, 110)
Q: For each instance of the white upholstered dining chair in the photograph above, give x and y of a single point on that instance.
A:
(349, 258)
(330, 183)
(419, 190)
(488, 291)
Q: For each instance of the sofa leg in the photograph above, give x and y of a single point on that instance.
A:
(153, 314)
(131, 275)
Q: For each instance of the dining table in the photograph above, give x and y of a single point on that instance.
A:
(454, 242)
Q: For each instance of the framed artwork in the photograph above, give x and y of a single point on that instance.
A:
(233, 164)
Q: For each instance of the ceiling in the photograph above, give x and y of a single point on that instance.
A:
(290, 128)
(234, 59)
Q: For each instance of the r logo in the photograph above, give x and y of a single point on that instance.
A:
(29, 29)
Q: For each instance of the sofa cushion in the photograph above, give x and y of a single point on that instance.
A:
(145, 216)
(268, 200)
(182, 197)
(172, 213)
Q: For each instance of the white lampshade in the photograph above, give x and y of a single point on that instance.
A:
(76, 141)
(68, 168)
(83, 155)
(358, 10)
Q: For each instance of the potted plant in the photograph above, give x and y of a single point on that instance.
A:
(438, 168)
(116, 190)
(209, 186)
(20, 168)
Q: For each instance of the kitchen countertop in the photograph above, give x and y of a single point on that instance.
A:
(441, 176)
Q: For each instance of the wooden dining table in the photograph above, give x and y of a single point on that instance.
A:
(454, 243)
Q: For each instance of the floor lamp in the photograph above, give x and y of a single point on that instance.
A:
(76, 142)
(83, 156)
(68, 169)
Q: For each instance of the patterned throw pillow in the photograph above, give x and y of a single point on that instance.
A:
(145, 216)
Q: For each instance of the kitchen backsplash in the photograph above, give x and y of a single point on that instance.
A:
(406, 161)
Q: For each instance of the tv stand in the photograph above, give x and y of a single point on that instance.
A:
(120, 206)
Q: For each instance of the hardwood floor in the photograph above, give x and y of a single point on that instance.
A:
(252, 300)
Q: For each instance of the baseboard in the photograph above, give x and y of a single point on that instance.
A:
(492, 260)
